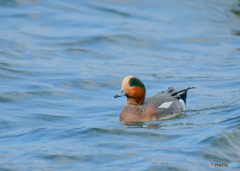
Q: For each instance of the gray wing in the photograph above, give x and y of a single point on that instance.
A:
(165, 103)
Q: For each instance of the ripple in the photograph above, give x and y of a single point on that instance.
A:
(87, 84)
(62, 62)
(18, 95)
(67, 158)
(107, 9)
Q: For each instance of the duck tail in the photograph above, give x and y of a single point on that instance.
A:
(183, 94)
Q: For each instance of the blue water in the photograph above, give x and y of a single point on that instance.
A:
(61, 63)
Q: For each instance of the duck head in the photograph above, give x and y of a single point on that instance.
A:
(133, 89)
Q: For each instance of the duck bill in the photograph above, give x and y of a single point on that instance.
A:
(122, 93)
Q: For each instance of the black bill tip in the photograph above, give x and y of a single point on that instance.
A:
(116, 96)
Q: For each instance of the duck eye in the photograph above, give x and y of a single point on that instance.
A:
(131, 85)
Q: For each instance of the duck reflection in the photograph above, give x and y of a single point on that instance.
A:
(142, 125)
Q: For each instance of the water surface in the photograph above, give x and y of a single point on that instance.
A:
(61, 63)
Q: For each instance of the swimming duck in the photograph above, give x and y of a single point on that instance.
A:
(165, 104)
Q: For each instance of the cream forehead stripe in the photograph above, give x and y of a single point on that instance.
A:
(126, 81)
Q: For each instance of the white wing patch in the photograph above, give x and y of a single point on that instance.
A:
(183, 104)
(165, 105)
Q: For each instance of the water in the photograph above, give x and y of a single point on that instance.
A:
(61, 63)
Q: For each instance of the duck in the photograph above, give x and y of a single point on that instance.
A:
(165, 104)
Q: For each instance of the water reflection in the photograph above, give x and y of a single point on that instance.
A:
(237, 33)
(236, 11)
(15, 2)
(142, 125)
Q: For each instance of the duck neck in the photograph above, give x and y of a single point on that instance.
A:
(135, 101)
